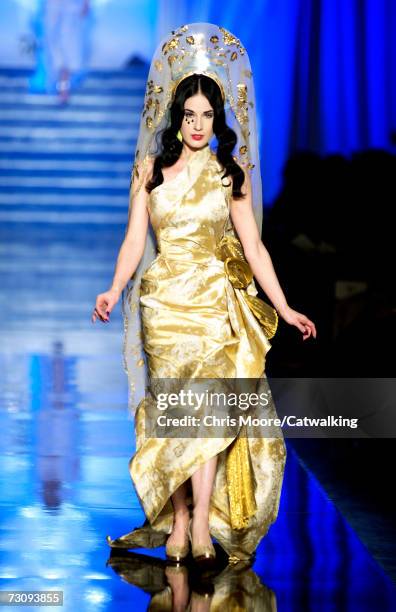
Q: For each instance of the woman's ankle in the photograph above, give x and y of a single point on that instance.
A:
(181, 513)
(201, 515)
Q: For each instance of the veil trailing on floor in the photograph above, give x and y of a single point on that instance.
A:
(201, 48)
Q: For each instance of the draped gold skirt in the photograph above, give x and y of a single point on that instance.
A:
(197, 323)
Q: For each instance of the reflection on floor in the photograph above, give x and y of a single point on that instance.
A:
(65, 485)
(66, 438)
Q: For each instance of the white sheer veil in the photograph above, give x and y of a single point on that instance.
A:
(202, 48)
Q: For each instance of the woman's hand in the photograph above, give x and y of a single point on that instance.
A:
(302, 322)
(105, 303)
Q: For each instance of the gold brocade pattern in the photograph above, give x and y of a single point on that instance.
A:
(198, 323)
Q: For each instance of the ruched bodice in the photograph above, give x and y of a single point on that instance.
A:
(189, 212)
(190, 215)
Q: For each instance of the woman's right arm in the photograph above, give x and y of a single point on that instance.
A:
(131, 250)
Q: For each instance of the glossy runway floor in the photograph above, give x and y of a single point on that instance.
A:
(65, 448)
(66, 440)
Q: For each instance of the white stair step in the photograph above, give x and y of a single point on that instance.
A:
(93, 100)
(70, 116)
(50, 133)
(36, 265)
(66, 199)
(72, 182)
(127, 83)
(65, 164)
(53, 146)
(62, 217)
(131, 83)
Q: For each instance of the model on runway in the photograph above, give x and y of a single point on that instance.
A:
(191, 309)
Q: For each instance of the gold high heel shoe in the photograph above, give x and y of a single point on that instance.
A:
(177, 552)
(203, 552)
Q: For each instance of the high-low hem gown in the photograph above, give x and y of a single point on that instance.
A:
(196, 324)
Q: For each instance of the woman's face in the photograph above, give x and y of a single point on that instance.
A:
(197, 121)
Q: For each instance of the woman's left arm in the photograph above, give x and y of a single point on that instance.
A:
(259, 259)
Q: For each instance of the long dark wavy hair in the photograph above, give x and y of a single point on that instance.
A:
(171, 147)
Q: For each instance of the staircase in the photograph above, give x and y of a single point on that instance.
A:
(68, 164)
(64, 183)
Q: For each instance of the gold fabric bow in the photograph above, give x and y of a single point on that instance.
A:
(240, 275)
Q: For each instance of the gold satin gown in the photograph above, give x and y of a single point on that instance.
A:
(197, 323)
